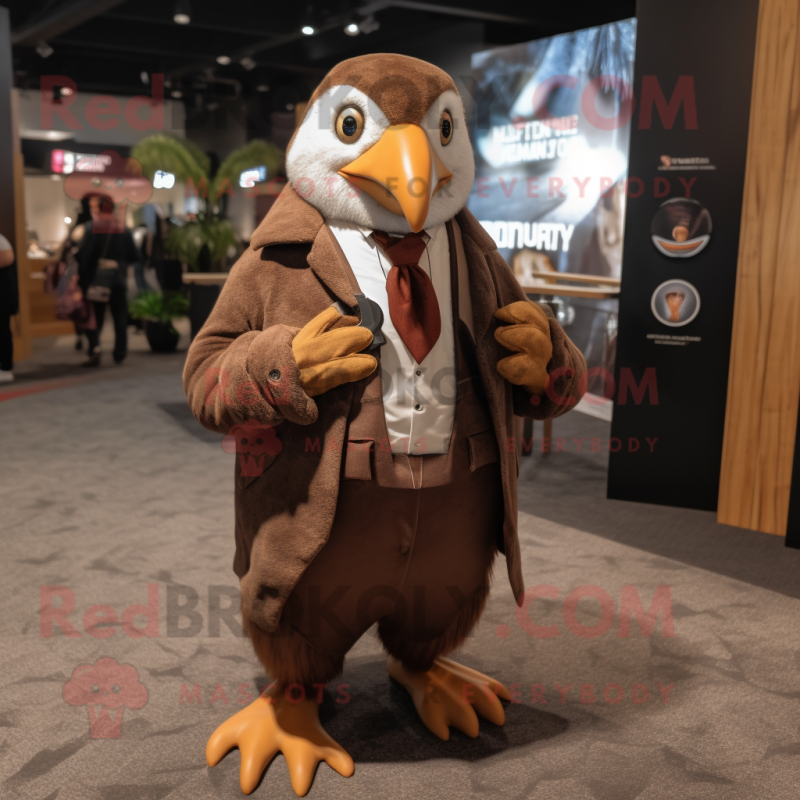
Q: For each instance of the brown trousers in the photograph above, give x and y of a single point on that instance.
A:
(416, 561)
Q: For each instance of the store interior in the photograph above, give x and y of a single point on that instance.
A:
(623, 180)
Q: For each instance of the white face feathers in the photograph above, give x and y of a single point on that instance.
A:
(319, 152)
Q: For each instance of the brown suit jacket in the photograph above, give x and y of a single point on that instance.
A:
(240, 367)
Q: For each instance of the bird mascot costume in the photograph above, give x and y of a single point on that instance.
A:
(369, 352)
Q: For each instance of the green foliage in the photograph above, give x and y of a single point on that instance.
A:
(161, 306)
(187, 242)
(253, 154)
(161, 151)
(203, 244)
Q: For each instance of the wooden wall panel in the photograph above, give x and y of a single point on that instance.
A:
(764, 382)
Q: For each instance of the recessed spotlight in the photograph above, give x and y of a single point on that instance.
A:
(262, 87)
(67, 220)
(224, 60)
(176, 93)
(308, 30)
(183, 12)
(65, 91)
(352, 29)
(248, 63)
(144, 77)
(290, 106)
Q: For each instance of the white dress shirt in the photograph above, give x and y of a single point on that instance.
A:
(418, 399)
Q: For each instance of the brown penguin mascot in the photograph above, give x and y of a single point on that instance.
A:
(375, 483)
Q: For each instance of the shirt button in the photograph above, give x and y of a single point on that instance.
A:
(418, 372)
(418, 406)
(274, 374)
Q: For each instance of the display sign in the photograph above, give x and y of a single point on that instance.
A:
(66, 162)
(163, 180)
(550, 128)
(250, 177)
(688, 151)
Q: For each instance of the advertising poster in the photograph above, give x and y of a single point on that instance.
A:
(688, 152)
(550, 127)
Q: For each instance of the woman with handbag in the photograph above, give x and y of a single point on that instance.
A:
(106, 251)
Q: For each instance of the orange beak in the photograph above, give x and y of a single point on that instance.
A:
(401, 172)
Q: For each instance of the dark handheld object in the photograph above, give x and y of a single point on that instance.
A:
(372, 318)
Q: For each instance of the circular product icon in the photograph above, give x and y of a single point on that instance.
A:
(675, 303)
(681, 227)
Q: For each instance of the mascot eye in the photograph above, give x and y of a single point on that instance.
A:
(349, 125)
(446, 127)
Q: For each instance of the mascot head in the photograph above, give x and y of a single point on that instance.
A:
(384, 144)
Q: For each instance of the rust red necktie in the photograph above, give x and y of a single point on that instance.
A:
(413, 306)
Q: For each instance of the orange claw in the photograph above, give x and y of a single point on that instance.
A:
(271, 724)
(450, 694)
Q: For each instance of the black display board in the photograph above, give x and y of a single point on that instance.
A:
(676, 310)
(793, 523)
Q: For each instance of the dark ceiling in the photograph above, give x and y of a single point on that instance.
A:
(105, 46)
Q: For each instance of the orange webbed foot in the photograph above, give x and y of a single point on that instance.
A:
(272, 724)
(450, 694)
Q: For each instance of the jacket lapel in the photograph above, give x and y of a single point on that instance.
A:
(477, 243)
(292, 220)
(325, 259)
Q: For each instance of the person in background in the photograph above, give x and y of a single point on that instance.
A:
(106, 250)
(71, 246)
(8, 307)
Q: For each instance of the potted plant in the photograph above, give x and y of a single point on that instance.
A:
(158, 310)
(206, 242)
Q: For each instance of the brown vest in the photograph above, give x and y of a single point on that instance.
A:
(368, 454)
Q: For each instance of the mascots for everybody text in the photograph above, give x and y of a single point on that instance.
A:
(369, 352)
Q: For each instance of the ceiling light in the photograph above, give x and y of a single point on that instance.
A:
(224, 60)
(262, 87)
(46, 136)
(44, 49)
(144, 77)
(248, 63)
(177, 94)
(352, 29)
(308, 30)
(66, 91)
(67, 220)
(183, 12)
(290, 106)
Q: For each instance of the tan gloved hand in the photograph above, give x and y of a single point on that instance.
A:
(328, 358)
(527, 334)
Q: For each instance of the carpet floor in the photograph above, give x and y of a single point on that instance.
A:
(112, 497)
